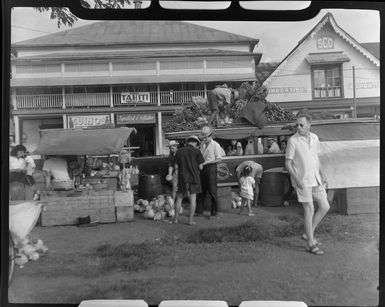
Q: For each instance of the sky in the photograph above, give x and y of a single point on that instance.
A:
(277, 39)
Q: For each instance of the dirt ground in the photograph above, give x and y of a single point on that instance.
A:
(346, 275)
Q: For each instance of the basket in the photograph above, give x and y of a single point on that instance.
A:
(63, 185)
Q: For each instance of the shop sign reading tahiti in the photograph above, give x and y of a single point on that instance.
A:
(82, 121)
(128, 97)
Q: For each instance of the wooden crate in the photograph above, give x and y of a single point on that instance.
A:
(224, 198)
(124, 214)
(124, 198)
(358, 200)
(65, 210)
(112, 182)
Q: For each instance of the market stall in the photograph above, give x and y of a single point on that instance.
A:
(96, 192)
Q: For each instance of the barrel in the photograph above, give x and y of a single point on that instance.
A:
(149, 186)
(275, 185)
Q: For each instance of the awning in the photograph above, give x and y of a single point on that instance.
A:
(325, 58)
(82, 142)
(347, 131)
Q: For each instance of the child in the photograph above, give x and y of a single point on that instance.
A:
(247, 185)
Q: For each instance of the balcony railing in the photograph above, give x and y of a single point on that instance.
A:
(87, 100)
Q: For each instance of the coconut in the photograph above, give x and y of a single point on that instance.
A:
(21, 259)
(150, 213)
(145, 203)
(34, 256)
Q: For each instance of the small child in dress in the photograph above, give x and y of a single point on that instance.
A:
(247, 185)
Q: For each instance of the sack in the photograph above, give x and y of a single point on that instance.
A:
(253, 113)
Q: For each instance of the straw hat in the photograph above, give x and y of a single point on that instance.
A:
(193, 138)
(206, 131)
(172, 143)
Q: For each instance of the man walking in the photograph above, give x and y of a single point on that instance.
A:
(212, 153)
(188, 163)
(302, 163)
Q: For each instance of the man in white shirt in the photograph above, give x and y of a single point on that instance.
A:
(212, 153)
(302, 163)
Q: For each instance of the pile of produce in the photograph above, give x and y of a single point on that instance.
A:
(30, 249)
(236, 200)
(157, 209)
(194, 115)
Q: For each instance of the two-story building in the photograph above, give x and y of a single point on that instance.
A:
(122, 73)
(328, 71)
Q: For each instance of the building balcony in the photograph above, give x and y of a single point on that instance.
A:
(90, 100)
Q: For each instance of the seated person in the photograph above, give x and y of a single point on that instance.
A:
(232, 148)
(272, 146)
(56, 170)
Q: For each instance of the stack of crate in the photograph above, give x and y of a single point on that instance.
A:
(124, 205)
(65, 207)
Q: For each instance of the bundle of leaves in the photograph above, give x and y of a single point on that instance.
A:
(274, 113)
(189, 117)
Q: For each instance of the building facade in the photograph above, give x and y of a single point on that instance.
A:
(122, 73)
(328, 71)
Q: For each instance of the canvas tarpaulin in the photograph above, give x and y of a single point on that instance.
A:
(350, 164)
(82, 142)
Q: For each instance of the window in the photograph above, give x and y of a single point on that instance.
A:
(327, 81)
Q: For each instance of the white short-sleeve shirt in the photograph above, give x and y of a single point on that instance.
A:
(212, 151)
(305, 159)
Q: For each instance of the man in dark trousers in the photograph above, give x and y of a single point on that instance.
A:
(188, 163)
(212, 153)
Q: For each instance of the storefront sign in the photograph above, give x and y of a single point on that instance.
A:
(365, 85)
(287, 90)
(128, 97)
(82, 121)
(325, 42)
(136, 118)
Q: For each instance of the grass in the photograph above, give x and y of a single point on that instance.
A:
(127, 257)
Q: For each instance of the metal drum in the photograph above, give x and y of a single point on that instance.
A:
(149, 186)
(275, 185)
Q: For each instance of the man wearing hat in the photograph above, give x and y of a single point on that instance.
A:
(188, 164)
(212, 153)
(171, 176)
(219, 99)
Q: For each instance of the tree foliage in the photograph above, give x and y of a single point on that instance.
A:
(63, 15)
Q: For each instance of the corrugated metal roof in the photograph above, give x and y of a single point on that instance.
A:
(136, 54)
(134, 32)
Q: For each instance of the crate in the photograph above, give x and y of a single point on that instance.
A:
(358, 200)
(64, 207)
(124, 198)
(124, 214)
(224, 198)
(63, 185)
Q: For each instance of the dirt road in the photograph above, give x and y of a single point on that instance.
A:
(347, 274)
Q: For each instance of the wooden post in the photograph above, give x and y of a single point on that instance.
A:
(354, 93)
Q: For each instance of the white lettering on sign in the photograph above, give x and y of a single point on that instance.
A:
(87, 121)
(128, 97)
(287, 90)
(135, 118)
(365, 85)
(325, 42)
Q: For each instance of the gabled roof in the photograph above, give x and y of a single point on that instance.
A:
(327, 19)
(134, 32)
(264, 70)
(373, 48)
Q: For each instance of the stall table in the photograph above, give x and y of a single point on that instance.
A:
(65, 207)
